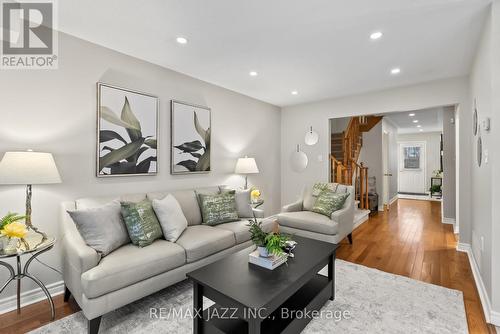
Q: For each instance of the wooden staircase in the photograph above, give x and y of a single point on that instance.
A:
(345, 150)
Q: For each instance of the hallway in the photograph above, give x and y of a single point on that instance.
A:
(410, 240)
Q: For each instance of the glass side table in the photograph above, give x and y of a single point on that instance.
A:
(34, 245)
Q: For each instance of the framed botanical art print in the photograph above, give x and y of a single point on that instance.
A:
(127, 132)
(190, 142)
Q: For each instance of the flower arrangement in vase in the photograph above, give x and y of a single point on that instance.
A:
(12, 230)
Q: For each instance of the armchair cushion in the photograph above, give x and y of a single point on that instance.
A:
(309, 221)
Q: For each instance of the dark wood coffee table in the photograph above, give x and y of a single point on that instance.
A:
(251, 299)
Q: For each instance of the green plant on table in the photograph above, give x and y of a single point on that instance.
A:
(10, 218)
(273, 242)
(435, 188)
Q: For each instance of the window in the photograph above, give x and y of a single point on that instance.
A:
(412, 157)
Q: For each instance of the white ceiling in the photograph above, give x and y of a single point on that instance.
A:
(430, 120)
(321, 48)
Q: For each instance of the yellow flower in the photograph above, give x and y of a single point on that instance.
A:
(255, 193)
(14, 230)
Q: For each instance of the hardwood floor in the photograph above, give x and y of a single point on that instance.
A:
(409, 240)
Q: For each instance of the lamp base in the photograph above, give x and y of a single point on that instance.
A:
(29, 225)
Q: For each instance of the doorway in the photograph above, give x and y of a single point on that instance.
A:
(412, 170)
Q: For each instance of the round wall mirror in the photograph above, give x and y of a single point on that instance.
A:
(298, 160)
(311, 137)
(474, 119)
(479, 151)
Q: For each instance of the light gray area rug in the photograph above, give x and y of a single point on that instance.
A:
(367, 301)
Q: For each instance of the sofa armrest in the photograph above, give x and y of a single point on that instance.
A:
(259, 213)
(293, 207)
(345, 218)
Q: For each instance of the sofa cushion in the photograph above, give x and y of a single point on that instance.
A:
(130, 264)
(188, 201)
(172, 219)
(102, 228)
(142, 225)
(241, 230)
(218, 208)
(95, 202)
(310, 221)
(201, 241)
(242, 201)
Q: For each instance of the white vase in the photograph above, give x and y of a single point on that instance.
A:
(263, 252)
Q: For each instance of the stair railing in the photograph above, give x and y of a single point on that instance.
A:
(361, 183)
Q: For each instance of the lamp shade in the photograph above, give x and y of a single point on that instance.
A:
(246, 165)
(28, 168)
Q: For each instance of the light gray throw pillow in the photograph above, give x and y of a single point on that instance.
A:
(172, 219)
(102, 228)
(243, 200)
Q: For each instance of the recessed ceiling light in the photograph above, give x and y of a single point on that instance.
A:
(253, 74)
(411, 115)
(415, 121)
(376, 35)
(396, 70)
(419, 126)
(421, 130)
(294, 92)
(181, 40)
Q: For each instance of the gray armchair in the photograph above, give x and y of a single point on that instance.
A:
(298, 219)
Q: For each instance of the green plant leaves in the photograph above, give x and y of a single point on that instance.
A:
(144, 165)
(107, 135)
(10, 217)
(190, 146)
(151, 143)
(108, 115)
(120, 154)
(190, 165)
(203, 163)
(202, 132)
(129, 117)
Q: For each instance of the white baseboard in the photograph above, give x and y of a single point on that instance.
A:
(456, 229)
(491, 316)
(8, 304)
(362, 219)
(448, 221)
(394, 199)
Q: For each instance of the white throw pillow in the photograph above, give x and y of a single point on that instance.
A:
(172, 219)
(243, 200)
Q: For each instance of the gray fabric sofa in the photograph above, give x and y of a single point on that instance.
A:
(298, 219)
(100, 285)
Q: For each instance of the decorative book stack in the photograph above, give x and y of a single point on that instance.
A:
(270, 262)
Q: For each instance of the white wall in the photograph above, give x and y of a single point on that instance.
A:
(449, 163)
(296, 119)
(389, 128)
(55, 111)
(481, 186)
(432, 151)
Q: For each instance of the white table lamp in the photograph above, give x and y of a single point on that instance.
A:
(246, 166)
(28, 168)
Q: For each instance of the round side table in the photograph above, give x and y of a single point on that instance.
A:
(34, 246)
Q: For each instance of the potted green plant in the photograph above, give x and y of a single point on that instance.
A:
(267, 243)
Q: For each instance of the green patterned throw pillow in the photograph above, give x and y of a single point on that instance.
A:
(328, 202)
(218, 208)
(142, 225)
(321, 186)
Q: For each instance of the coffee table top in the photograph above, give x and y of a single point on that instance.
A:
(256, 287)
